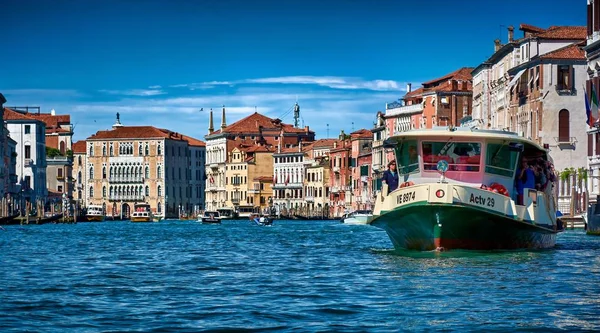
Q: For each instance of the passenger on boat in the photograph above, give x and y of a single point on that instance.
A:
(525, 179)
(390, 177)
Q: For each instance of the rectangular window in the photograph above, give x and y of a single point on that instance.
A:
(461, 156)
(406, 157)
(27, 181)
(27, 129)
(27, 151)
(563, 81)
(364, 170)
(60, 172)
(60, 188)
(500, 160)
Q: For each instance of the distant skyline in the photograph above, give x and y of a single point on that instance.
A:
(160, 62)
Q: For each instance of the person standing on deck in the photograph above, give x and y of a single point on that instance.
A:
(525, 179)
(390, 177)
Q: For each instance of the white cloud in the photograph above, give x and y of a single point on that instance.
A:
(134, 92)
(154, 87)
(334, 82)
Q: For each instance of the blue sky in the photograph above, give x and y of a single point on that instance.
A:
(159, 62)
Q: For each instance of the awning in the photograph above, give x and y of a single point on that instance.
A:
(516, 78)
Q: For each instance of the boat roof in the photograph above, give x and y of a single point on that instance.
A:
(95, 206)
(466, 132)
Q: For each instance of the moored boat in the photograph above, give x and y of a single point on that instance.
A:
(141, 213)
(358, 217)
(157, 217)
(458, 192)
(210, 217)
(95, 213)
(592, 218)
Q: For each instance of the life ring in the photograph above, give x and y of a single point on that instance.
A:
(406, 184)
(499, 188)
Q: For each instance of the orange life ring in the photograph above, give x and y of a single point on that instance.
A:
(406, 184)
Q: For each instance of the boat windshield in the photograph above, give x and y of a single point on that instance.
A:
(461, 156)
(407, 157)
(500, 160)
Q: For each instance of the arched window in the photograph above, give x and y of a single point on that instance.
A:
(104, 191)
(79, 159)
(62, 147)
(91, 150)
(147, 190)
(103, 150)
(91, 172)
(159, 191)
(111, 191)
(112, 151)
(79, 177)
(159, 207)
(564, 132)
(140, 149)
(158, 150)
(103, 172)
(91, 191)
(159, 172)
(147, 150)
(147, 172)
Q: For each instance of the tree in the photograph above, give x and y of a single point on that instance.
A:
(52, 152)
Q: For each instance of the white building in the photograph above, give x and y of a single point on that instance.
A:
(288, 182)
(30, 135)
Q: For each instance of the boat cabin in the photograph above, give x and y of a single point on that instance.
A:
(472, 157)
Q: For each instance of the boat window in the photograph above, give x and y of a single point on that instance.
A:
(407, 157)
(461, 156)
(501, 160)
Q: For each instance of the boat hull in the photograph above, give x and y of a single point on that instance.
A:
(361, 219)
(94, 218)
(424, 227)
(141, 219)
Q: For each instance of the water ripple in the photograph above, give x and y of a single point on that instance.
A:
(295, 276)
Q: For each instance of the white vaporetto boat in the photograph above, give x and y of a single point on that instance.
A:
(95, 213)
(358, 217)
(457, 191)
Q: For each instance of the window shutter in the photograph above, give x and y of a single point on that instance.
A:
(563, 126)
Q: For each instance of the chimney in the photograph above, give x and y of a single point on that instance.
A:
(408, 87)
(306, 129)
(497, 45)
(52, 112)
(300, 146)
(210, 122)
(334, 144)
(511, 33)
(279, 148)
(223, 122)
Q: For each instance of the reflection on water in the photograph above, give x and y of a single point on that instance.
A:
(297, 275)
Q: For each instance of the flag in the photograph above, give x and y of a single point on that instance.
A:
(588, 109)
(594, 101)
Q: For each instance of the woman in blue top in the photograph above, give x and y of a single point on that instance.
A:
(525, 179)
(390, 177)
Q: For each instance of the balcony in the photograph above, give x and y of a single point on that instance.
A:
(123, 197)
(404, 110)
(213, 165)
(60, 178)
(126, 179)
(570, 141)
(563, 90)
(309, 199)
(255, 190)
(28, 162)
(235, 201)
(336, 169)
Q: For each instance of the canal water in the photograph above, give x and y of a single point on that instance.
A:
(302, 276)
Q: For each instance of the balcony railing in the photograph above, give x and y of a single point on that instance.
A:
(566, 141)
(309, 199)
(126, 179)
(122, 197)
(213, 165)
(407, 109)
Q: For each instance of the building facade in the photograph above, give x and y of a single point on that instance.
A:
(29, 133)
(340, 197)
(362, 191)
(79, 173)
(288, 180)
(253, 130)
(140, 164)
(592, 50)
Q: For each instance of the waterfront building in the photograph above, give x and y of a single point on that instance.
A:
(592, 50)
(316, 187)
(135, 164)
(196, 177)
(340, 196)
(9, 187)
(362, 191)
(545, 93)
(249, 169)
(288, 180)
(379, 157)
(29, 133)
(59, 154)
(79, 173)
(255, 129)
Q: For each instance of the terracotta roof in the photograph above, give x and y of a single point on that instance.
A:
(324, 143)
(10, 114)
(414, 93)
(460, 74)
(570, 52)
(530, 28)
(194, 142)
(52, 121)
(251, 124)
(131, 132)
(564, 32)
(56, 130)
(362, 133)
(259, 149)
(79, 147)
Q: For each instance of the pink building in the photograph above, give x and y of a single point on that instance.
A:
(340, 194)
(362, 191)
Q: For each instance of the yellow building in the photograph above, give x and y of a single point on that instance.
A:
(316, 187)
(244, 165)
(79, 168)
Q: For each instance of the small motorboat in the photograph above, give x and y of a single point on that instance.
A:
(264, 220)
(210, 217)
(358, 217)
